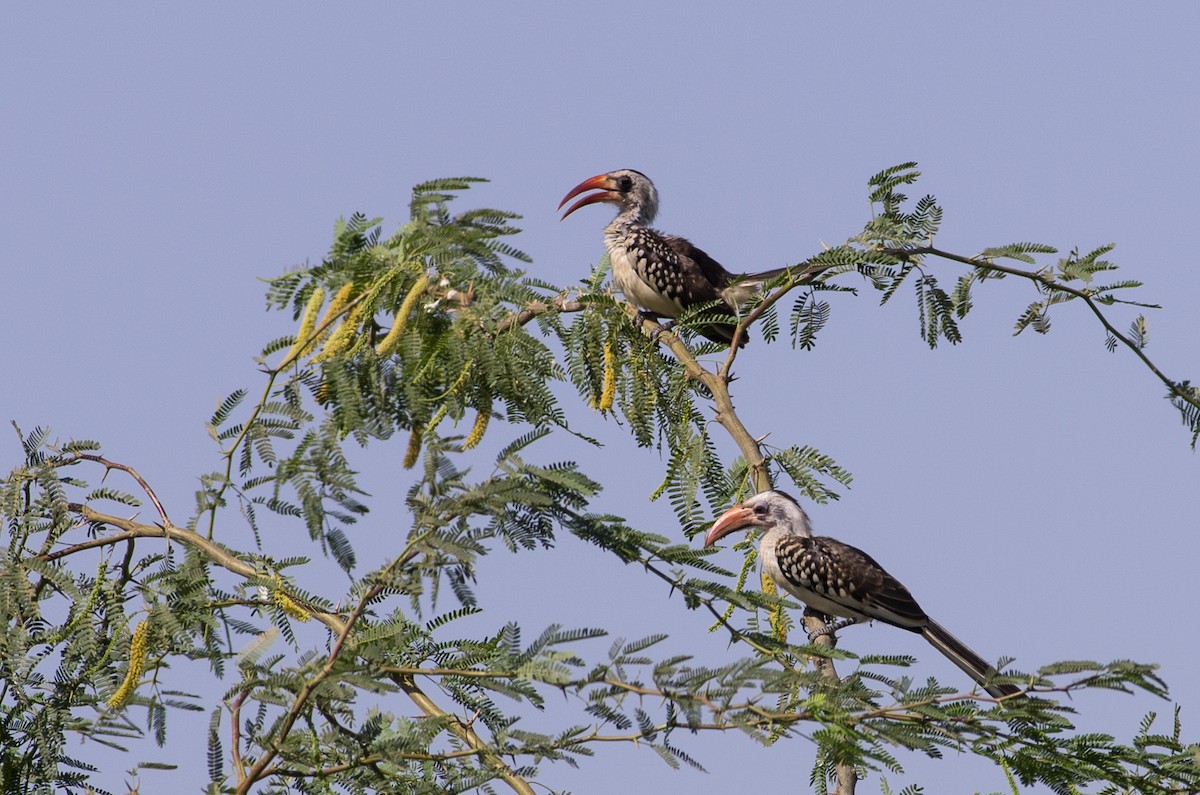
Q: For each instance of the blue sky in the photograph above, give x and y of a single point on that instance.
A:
(1036, 494)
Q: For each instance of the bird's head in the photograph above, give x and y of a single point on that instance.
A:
(768, 510)
(632, 191)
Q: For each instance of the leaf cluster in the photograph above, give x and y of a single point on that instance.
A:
(411, 334)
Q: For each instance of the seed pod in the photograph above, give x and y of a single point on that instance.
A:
(414, 446)
(340, 299)
(321, 393)
(137, 664)
(481, 423)
(308, 322)
(609, 391)
(387, 346)
(340, 339)
(778, 617)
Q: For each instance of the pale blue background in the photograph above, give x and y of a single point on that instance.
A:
(1037, 494)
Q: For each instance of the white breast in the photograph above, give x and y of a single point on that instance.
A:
(632, 286)
(770, 564)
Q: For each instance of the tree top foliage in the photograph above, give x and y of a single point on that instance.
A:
(406, 334)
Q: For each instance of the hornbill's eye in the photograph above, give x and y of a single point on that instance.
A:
(760, 510)
(624, 184)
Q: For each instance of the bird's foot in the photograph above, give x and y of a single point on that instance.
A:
(831, 629)
(664, 324)
(659, 325)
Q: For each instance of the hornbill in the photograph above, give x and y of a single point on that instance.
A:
(661, 274)
(839, 580)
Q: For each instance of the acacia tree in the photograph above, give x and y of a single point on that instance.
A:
(406, 335)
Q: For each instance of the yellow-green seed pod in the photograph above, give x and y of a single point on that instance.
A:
(340, 339)
(609, 391)
(387, 346)
(778, 618)
(308, 322)
(480, 426)
(438, 416)
(414, 446)
(137, 664)
(336, 306)
(321, 393)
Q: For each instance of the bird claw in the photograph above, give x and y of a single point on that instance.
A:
(831, 628)
(659, 326)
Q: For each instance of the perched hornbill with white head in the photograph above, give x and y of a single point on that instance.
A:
(661, 274)
(839, 580)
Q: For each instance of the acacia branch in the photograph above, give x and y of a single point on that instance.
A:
(1054, 285)
(341, 628)
(306, 690)
(133, 473)
(369, 761)
(805, 273)
(735, 633)
(294, 355)
(235, 741)
(559, 305)
(462, 729)
(727, 417)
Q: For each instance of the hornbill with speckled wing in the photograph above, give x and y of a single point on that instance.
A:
(663, 275)
(839, 580)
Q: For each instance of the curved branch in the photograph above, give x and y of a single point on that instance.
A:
(718, 386)
(133, 473)
(341, 628)
(293, 714)
(464, 732)
(1056, 286)
(806, 273)
(559, 305)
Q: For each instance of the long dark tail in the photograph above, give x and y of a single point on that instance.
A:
(971, 663)
(740, 289)
(761, 276)
(721, 331)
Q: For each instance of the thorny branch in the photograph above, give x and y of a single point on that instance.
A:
(339, 627)
(293, 714)
(1039, 277)
(802, 274)
(718, 386)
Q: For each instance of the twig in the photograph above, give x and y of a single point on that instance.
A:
(718, 387)
(465, 733)
(1052, 284)
(559, 305)
(133, 473)
(805, 273)
(235, 740)
(305, 692)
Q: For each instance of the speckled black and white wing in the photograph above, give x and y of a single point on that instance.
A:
(672, 278)
(665, 275)
(705, 275)
(838, 579)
